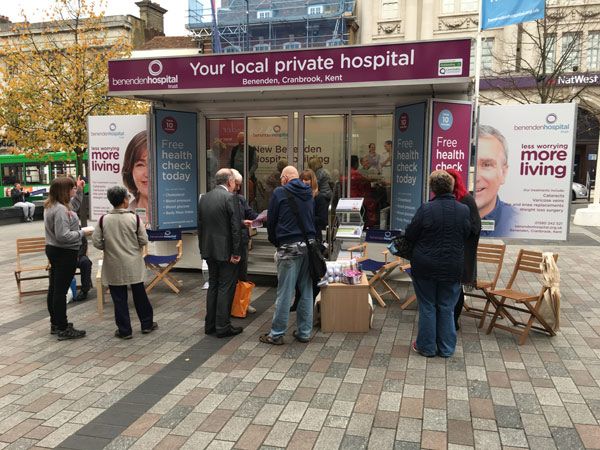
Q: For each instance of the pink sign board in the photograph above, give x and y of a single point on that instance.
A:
(451, 136)
(326, 66)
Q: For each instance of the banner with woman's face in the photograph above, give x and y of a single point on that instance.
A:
(118, 155)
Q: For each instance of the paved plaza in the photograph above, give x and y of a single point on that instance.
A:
(178, 388)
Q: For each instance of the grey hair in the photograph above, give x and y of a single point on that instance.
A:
(441, 182)
(223, 176)
(490, 131)
(237, 176)
(116, 195)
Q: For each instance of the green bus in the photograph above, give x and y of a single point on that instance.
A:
(36, 172)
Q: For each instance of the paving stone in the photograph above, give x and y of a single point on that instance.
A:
(487, 440)
(510, 437)
(535, 425)
(354, 442)
(566, 438)
(409, 429)
(330, 438)
(507, 416)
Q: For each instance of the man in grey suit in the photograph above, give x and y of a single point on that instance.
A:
(219, 237)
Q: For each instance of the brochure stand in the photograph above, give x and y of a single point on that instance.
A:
(350, 221)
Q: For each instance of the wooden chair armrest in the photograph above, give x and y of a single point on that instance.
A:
(362, 248)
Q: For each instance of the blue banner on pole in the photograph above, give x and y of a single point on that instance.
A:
(176, 169)
(500, 13)
(407, 163)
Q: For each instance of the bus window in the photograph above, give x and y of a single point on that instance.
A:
(34, 173)
(12, 173)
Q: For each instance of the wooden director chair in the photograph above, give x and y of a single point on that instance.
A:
(32, 247)
(524, 302)
(162, 265)
(490, 256)
(380, 270)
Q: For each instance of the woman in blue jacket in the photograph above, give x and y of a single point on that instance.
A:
(438, 232)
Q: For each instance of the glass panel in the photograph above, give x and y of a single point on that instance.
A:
(221, 137)
(593, 50)
(34, 173)
(550, 53)
(468, 5)
(487, 50)
(268, 140)
(447, 6)
(11, 174)
(371, 166)
(570, 51)
(325, 152)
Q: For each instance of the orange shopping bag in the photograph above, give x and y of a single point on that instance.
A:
(241, 299)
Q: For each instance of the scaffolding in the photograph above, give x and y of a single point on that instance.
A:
(262, 25)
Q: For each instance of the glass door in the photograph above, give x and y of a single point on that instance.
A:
(324, 151)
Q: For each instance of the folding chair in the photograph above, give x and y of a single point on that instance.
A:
(380, 270)
(162, 265)
(492, 255)
(527, 261)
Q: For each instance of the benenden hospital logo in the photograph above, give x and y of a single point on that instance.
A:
(551, 123)
(155, 77)
(155, 67)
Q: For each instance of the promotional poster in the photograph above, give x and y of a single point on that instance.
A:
(524, 170)
(451, 136)
(176, 165)
(118, 155)
(408, 163)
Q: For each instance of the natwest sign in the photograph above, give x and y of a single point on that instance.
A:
(340, 65)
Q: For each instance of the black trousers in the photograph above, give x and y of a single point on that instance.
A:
(143, 308)
(222, 278)
(63, 263)
(85, 267)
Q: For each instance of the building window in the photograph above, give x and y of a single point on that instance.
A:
(389, 9)
(264, 14)
(487, 53)
(335, 42)
(232, 49)
(550, 64)
(315, 9)
(468, 5)
(292, 45)
(452, 6)
(571, 50)
(261, 47)
(594, 50)
(447, 6)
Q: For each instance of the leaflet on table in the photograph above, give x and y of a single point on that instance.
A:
(349, 204)
(258, 222)
(354, 231)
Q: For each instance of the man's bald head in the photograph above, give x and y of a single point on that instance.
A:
(288, 174)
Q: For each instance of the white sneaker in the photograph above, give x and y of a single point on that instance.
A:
(251, 309)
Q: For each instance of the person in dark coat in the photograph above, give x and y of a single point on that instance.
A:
(247, 215)
(219, 237)
(469, 276)
(309, 178)
(438, 232)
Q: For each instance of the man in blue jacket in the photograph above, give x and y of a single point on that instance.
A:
(290, 221)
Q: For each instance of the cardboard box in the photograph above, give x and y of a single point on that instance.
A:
(346, 308)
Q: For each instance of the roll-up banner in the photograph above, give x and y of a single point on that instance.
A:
(175, 166)
(523, 170)
(451, 136)
(118, 155)
(407, 163)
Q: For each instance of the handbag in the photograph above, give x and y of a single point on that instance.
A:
(402, 247)
(241, 298)
(316, 261)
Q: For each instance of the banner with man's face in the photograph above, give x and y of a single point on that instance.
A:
(523, 170)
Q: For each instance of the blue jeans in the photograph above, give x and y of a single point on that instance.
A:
(291, 272)
(437, 332)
